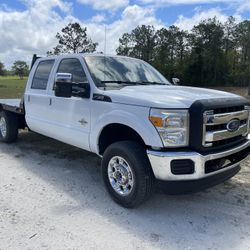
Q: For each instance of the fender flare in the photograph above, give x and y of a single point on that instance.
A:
(144, 128)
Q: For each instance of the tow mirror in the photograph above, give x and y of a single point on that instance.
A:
(81, 90)
(176, 81)
(63, 85)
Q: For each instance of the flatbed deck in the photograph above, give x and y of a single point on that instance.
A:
(13, 105)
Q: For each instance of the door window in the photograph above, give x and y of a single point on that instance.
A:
(74, 67)
(41, 76)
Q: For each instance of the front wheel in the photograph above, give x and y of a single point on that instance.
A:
(127, 173)
(8, 127)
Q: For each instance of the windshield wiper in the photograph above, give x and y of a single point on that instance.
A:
(125, 82)
(156, 83)
(135, 83)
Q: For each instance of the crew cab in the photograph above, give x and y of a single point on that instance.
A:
(146, 129)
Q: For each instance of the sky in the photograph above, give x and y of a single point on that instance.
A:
(29, 27)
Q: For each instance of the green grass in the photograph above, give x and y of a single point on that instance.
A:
(12, 86)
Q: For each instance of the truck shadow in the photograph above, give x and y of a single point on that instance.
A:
(213, 218)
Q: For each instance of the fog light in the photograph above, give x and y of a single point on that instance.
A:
(180, 167)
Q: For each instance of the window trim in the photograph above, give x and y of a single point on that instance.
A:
(42, 89)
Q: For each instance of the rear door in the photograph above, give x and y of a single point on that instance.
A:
(70, 117)
(36, 96)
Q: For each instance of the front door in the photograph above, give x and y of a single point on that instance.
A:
(70, 117)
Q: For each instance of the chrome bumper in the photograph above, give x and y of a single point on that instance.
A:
(161, 161)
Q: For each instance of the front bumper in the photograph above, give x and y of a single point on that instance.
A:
(161, 162)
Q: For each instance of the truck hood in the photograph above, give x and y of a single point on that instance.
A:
(168, 96)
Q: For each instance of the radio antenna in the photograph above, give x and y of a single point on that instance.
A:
(105, 40)
(105, 51)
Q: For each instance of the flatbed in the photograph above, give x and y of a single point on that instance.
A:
(13, 105)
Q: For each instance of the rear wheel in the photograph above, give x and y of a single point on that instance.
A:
(127, 173)
(8, 127)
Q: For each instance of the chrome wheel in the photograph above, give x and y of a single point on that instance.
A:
(120, 176)
(3, 127)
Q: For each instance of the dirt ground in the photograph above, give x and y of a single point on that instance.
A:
(52, 197)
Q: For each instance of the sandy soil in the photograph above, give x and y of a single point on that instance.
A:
(52, 197)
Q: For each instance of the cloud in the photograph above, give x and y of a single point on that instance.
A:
(243, 7)
(23, 33)
(98, 19)
(131, 17)
(5, 7)
(46, 6)
(240, 5)
(188, 2)
(187, 23)
(106, 4)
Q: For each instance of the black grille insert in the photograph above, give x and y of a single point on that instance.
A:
(214, 165)
(235, 140)
(228, 109)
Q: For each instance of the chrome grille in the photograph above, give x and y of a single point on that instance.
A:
(215, 126)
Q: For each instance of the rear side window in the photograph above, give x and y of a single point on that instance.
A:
(41, 77)
(74, 67)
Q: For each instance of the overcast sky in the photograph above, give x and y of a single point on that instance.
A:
(30, 26)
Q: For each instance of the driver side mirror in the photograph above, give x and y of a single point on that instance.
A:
(63, 85)
(176, 81)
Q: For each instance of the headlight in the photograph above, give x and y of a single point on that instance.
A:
(172, 125)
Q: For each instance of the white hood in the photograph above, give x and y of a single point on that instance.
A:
(164, 96)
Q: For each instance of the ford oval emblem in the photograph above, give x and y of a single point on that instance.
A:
(233, 125)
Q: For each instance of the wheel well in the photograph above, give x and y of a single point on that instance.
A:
(20, 118)
(117, 132)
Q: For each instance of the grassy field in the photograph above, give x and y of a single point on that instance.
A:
(11, 86)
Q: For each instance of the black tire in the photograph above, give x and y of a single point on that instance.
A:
(11, 121)
(135, 156)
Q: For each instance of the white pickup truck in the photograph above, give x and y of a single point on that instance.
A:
(145, 129)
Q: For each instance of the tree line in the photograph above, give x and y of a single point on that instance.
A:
(211, 54)
(19, 68)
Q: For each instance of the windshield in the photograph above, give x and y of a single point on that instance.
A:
(116, 72)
